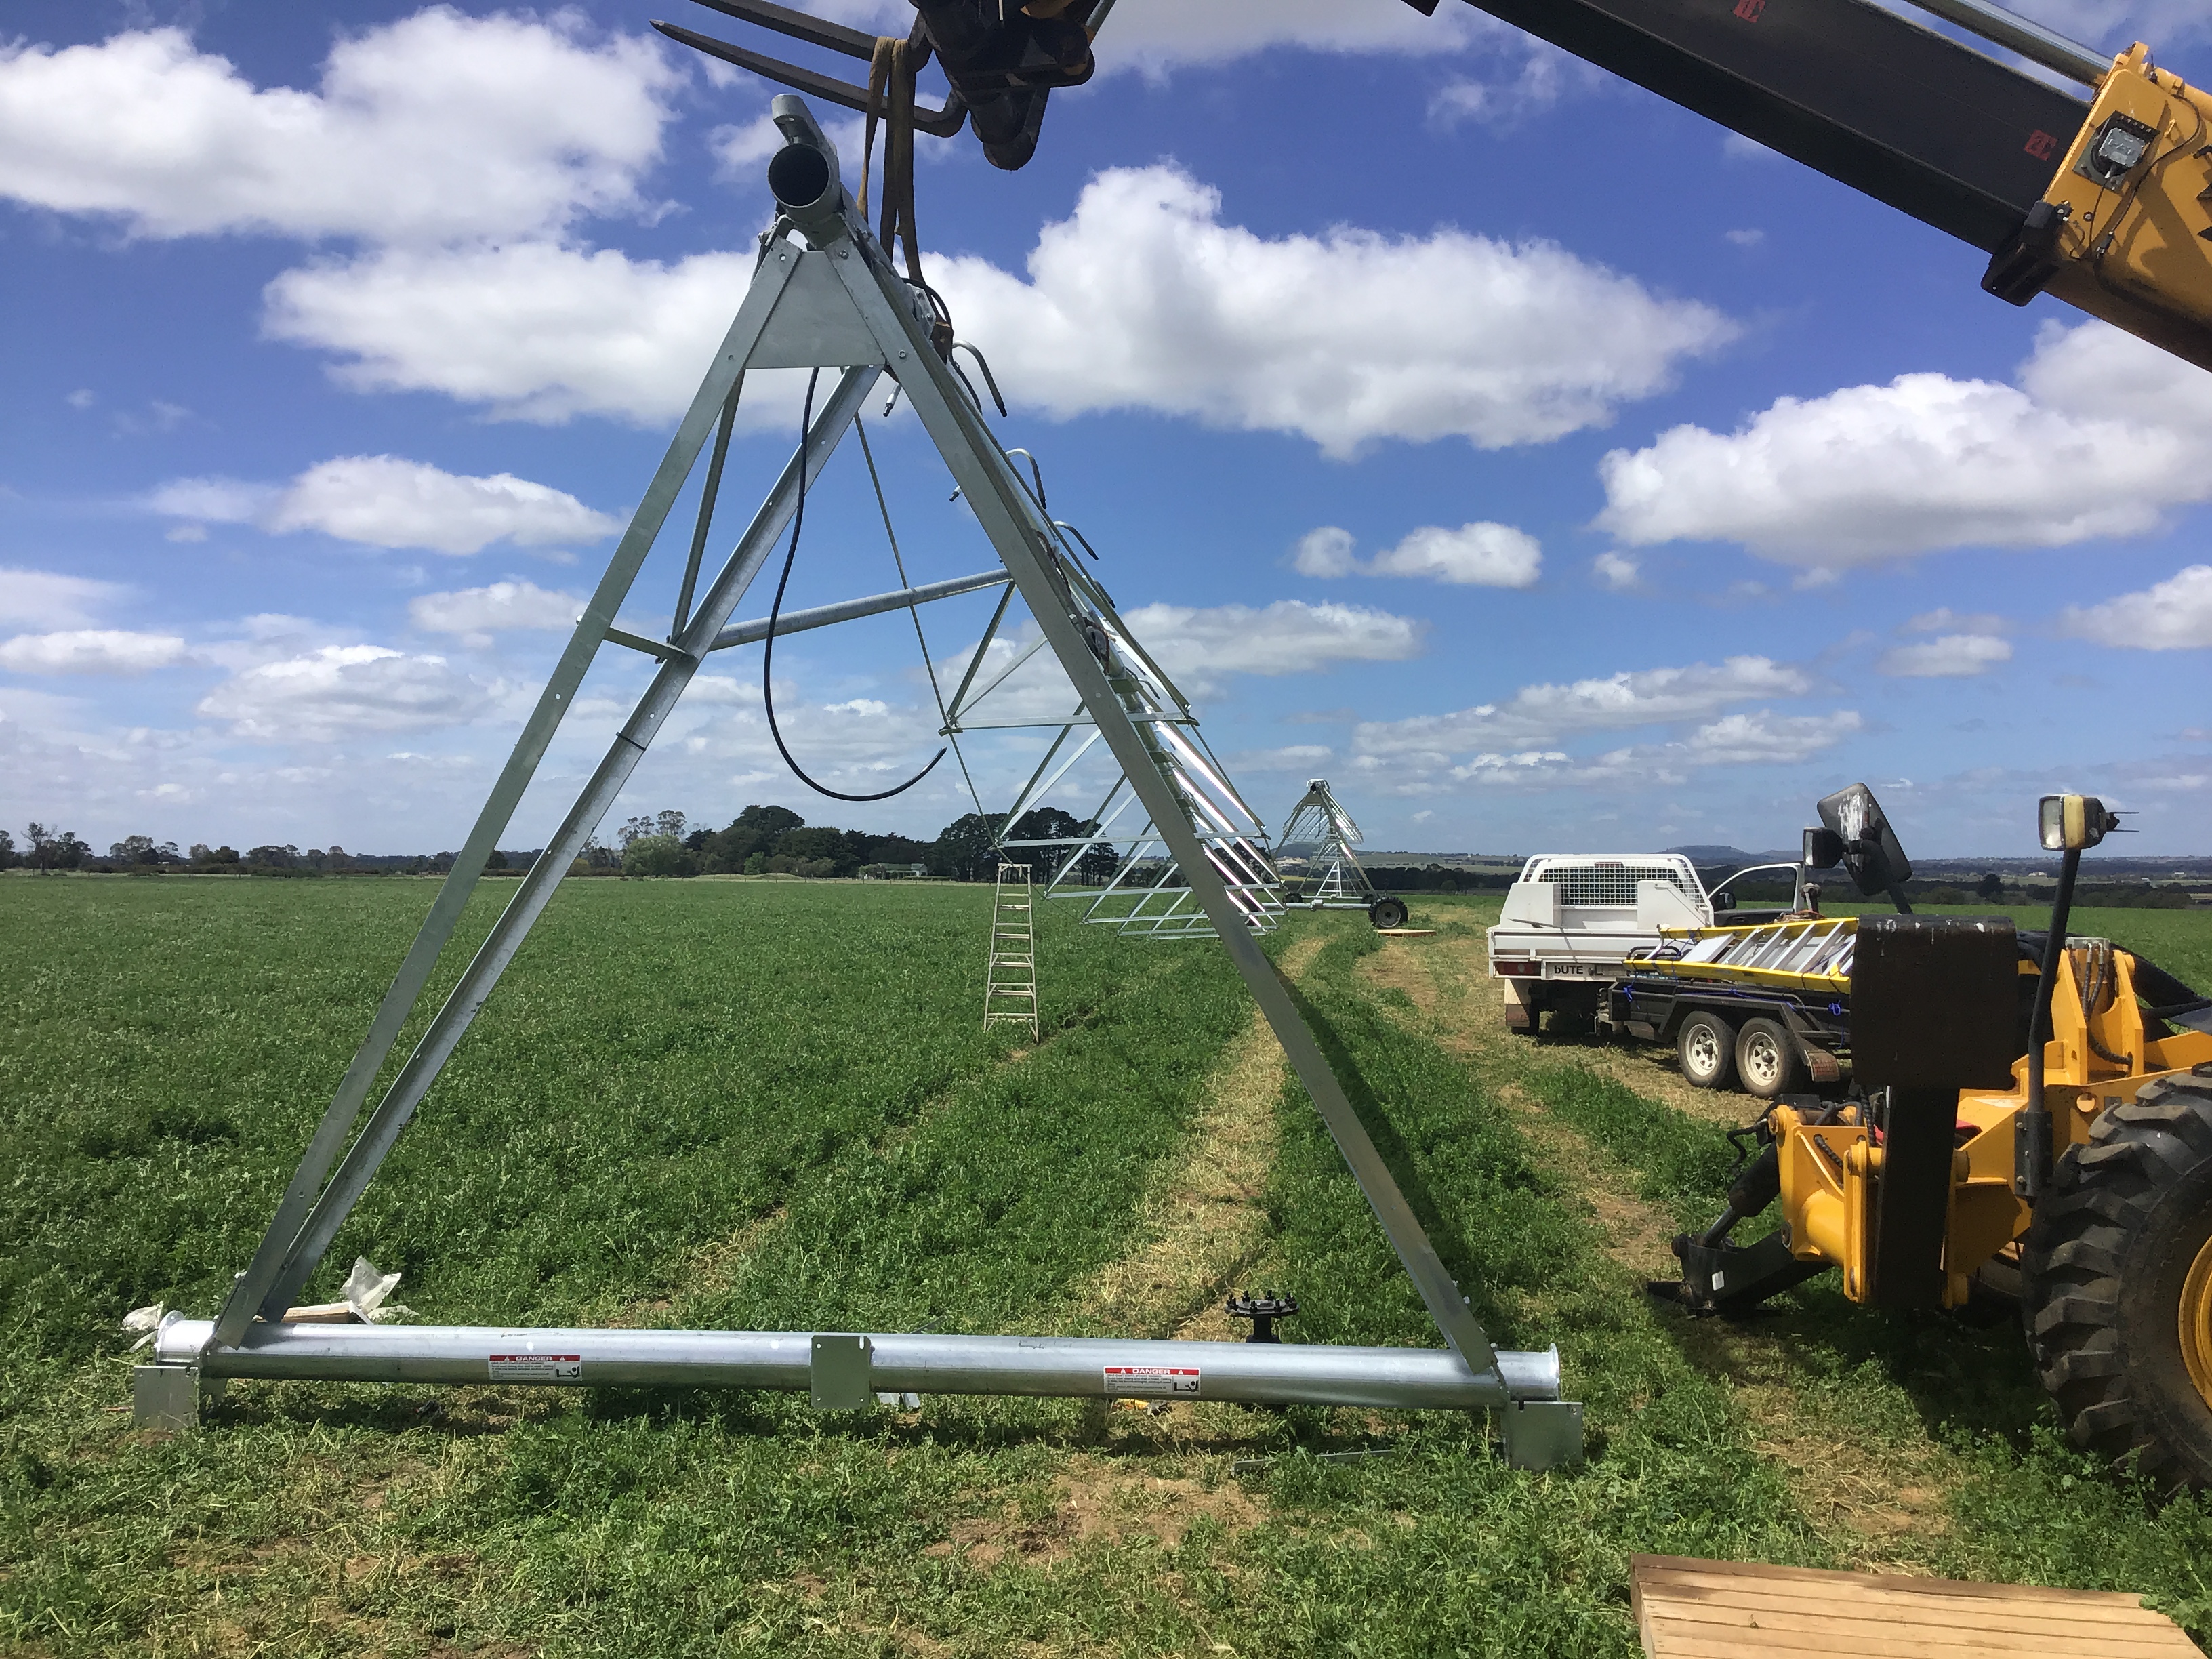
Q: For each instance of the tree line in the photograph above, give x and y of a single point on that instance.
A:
(759, 841)
(46, 850)
(776, 841)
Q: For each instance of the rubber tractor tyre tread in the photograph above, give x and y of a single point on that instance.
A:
(2103, 1271)
(1387, 913)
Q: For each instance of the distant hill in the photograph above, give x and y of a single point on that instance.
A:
(1705, 855)
(1710, 854)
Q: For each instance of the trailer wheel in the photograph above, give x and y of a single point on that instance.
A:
(2117, 1284)
(1766, 1063)
(1387, 912)
(1706, 1047)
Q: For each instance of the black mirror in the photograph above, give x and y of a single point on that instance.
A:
(1723, 900)
(1824, 849)
(1870, 851)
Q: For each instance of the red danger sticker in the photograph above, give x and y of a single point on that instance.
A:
(1151, 1381)
(536, 1367)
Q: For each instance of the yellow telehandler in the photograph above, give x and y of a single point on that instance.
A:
(2076, 1175)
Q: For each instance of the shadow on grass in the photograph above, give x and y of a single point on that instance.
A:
(411, 1413)
(1965, 1372)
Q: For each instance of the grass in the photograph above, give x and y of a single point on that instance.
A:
(769, 1105)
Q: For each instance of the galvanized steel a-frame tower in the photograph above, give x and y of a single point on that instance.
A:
(833, 300)
(1320, 832)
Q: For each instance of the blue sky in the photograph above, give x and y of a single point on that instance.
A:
(1538, 463)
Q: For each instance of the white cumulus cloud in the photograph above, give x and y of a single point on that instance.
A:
(90, 651)
(1199, 644)
(476, 611)
(1766, 738)
(212, 500)
(1326, 551)
(2101, 437)
(1752, 739)
(1477, 555)
(1947, 656)
(47, 598)
(531, 330)
(1143, 299)
(1538, 715)
(438, 127)
(2174, 615)
(1616, 570)
(382, 501)
(342, 690)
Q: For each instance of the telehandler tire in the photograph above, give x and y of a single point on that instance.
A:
(2117, 1284)
(1706, 1045)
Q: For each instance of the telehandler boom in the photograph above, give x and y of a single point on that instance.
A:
(2105, 202)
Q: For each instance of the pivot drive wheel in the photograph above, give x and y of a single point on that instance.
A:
(1766, 1063)
(1387, 912)
(1706, 1045)
(2118, 1283)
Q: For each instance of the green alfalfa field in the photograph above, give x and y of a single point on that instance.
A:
(770, 1104)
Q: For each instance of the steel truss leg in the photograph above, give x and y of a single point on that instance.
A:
(890, 329)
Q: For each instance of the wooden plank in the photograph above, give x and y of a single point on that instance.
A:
(1671, 1645)
(1932, 1614)
(1839, 1632)
(1731, 1571)
(1692, 1609)
(1879, 1603)
(1742, 1646)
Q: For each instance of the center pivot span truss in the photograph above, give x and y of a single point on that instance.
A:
(834, 301)
(1118, 859)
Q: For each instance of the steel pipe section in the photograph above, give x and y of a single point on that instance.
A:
(802, 176)
(1250, 1373)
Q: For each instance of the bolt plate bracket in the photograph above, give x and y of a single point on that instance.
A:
(1543, 1434)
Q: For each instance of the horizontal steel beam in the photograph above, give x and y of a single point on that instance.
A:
(1252, 1373)
(798, 621)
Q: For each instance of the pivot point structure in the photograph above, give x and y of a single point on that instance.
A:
(826, 296)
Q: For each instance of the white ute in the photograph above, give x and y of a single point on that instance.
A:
(1573, 919)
